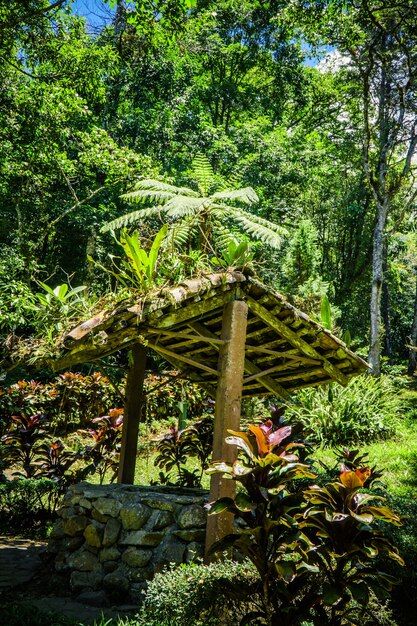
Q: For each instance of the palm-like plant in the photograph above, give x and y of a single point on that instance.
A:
(203, 213)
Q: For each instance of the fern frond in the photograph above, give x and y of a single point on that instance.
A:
(152, 184)
(223, 237)
(147, 194)
(247, 195)
(132, 218)
(203, 173)
(181, 233)
(179, 206)
(259, 228)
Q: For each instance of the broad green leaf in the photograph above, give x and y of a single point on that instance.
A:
(326, 313)
(331, 594)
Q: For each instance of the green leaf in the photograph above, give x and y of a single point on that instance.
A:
(331, 594)
(326, 313)
(360, 592)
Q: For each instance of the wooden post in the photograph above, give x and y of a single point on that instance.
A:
(132, 415)
(227, 410)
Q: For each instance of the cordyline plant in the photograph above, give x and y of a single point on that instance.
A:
(345, 530)
(315, 548)
(104, 454)
(22, 442)
(178, 445)
(267, 503)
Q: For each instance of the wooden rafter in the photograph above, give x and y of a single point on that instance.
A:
(294, 339)
(281, 355)
(267, 382)
(181, 357)
(181, 335)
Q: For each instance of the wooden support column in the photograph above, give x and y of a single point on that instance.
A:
(132, 415)
(227, 410)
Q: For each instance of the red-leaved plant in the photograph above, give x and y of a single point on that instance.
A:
(314, 548)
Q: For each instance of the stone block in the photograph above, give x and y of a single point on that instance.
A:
(99, 517)
(111, 532)
(67, 511)
(72, 543)
(141, 538)
(134, 515)
(107, 506)
(93, 534)
(110, 566)
(160, 519)
(193, 516)
(116, 582)
(198, 534)
(135, 557)
(161, 502)
(86, 504)
(83, 561)
(109, 554)
(58, 530)
(86, 580)
(170, 551)
(140, 574)
(93, 598)
(193, 552)
(75, 525)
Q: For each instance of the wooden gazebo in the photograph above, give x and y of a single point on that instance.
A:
(231, 334)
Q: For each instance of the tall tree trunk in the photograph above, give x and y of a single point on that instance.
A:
(376, 290)
(412, 360)
(386, 307)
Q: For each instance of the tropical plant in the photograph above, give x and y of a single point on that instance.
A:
(315, 548)
(202, 213)
(235, 255)
(103, 456)
(23, 441)
(175, 448)
(345, 530)
(62, 299)
(364, 410)
(27, 502)
(197, 594)
(270, 537)
(138, 267)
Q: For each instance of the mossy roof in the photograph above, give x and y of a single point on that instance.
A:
(285, 349)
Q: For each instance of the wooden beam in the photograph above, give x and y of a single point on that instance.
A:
(132, 415)
(180, 357)
(250, 367)
(227, 411)
(294, 338)
(269, 383)
(287, 355)
(180, 335)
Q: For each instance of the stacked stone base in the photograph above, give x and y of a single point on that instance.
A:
(111, 539)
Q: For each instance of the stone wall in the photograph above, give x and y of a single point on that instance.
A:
(111, 539)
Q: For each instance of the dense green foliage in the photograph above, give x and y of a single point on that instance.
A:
(364, 411)
(222, 103)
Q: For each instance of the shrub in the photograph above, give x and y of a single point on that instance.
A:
(178, 445)
(25, 503)
(196, 594)
(315, 549)
(361, 412)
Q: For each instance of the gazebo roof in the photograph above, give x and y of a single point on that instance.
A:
(285, 349)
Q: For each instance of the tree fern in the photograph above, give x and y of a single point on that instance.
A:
(199, 214)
